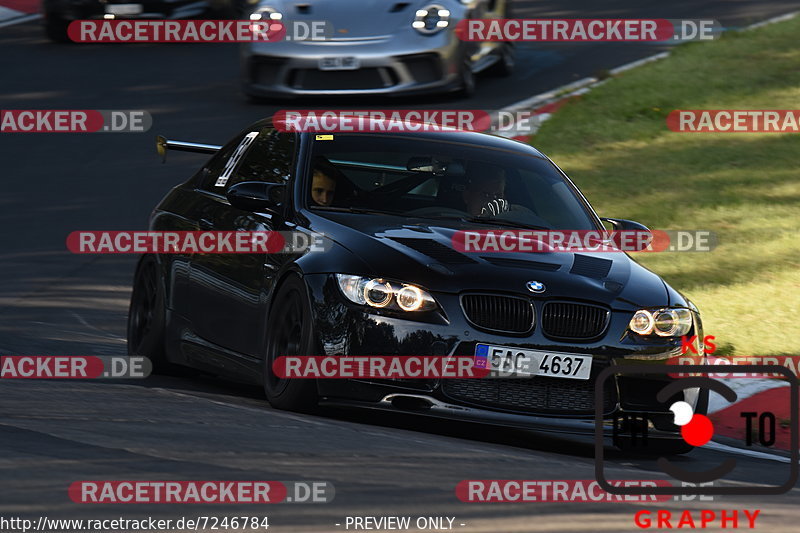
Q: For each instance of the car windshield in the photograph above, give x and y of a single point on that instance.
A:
(442, 179)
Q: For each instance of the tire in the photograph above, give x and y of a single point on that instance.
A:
(505, 66)
(55, 27)
(290, 332)
(467, 89)
(147, 315)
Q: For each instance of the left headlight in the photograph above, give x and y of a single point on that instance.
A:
(662, 322)
(381, 293)
(431, 19)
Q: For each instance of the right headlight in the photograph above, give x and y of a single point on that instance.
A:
(380, 293)
(431, 19)
(669, 322)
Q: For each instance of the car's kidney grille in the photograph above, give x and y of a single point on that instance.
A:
(498, 313)
(566, 320)
(530, 395)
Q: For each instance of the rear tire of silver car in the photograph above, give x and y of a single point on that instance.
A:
(147, 315)
(55, 27)
(467, 76)
(290, 331)
(505, 65)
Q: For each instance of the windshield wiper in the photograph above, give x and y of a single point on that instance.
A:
(359, 210)
(469, 219)
(502, 222)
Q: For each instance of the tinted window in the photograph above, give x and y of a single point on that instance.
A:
(266, 155)
(215, 165)
(270, 158)
(424, 177)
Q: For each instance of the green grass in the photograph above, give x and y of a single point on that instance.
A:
(615, 145)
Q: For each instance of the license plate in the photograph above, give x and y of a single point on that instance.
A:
(124, 9)
(339, 63)
(506, 360)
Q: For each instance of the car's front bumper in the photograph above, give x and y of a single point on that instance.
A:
(428, 406)
(557, 404)
(387, 65)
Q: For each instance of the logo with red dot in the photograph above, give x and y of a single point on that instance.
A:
(695, 429)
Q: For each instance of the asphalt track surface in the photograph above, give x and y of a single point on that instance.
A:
(52, 302)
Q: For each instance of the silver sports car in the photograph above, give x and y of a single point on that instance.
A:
(372, 47)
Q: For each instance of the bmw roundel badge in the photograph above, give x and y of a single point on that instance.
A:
(535, 286)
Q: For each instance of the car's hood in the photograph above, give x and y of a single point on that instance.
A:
(420, 252)
(353, 19)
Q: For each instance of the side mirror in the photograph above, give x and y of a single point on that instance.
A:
(620, 224)
(257, 196)
(629, 225)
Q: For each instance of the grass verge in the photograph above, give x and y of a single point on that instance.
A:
(615, 145)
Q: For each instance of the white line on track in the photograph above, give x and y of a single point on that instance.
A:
(9, 17)
(103, 333)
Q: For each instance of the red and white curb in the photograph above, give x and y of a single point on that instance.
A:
(18, 11)
(754, 396)
(545, 104)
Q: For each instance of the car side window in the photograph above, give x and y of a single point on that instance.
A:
(215, 166)
(266, 155)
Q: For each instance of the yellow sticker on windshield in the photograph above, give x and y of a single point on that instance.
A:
(324, 137)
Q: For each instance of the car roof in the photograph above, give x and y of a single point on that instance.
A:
(459, 136)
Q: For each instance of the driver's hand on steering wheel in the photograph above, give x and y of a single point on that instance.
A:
(495, 207)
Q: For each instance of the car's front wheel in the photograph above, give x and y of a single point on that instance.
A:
(505, 64)
(468, 83)
(290, 331)
(147, 315)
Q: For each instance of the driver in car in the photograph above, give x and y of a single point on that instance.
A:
(323, 187)
(485, 190)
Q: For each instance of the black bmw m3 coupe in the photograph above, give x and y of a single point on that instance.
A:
(389, 205)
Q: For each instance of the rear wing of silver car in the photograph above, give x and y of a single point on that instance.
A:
(163, 144)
